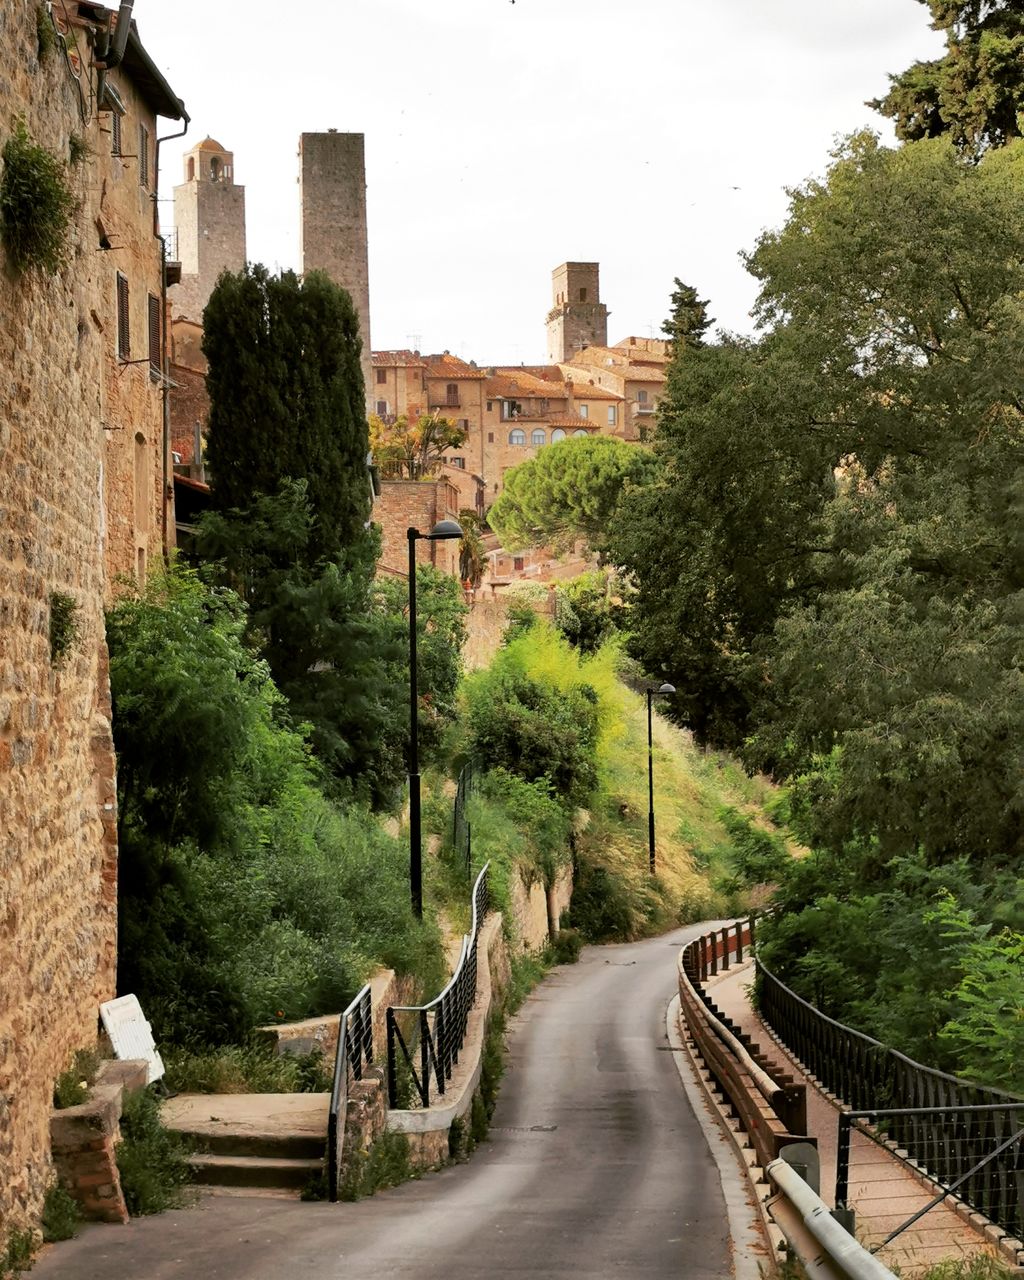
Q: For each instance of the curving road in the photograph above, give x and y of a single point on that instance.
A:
(596, 1167)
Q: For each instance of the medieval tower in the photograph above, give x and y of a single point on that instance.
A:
(332, 192)
(578, 318)
(209, 215)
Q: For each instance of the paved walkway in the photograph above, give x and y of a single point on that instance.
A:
(597, 1167)
(882, 1191)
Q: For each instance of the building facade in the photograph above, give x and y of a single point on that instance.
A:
(209, 226)
(578, 318)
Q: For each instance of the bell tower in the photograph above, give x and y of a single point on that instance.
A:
(209, 217)
(578, 317)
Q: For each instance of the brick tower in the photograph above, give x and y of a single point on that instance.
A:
(332, 192)
(209, 216)
(578, 318)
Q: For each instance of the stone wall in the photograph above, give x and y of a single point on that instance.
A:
(417, 504)
(58, 863)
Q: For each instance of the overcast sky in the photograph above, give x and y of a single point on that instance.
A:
(653, 136)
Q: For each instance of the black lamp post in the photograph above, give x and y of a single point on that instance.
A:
(441, 531)
(665, 688)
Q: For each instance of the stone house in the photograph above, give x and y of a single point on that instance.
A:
(82, 494)
(634, 370)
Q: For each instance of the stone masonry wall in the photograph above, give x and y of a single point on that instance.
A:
(58, 866)
(416, 504)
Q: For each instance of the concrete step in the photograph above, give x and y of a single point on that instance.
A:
(254, 1171)
(266, 1126)
(263, 1146)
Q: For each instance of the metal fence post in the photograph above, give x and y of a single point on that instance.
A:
(392, 1068)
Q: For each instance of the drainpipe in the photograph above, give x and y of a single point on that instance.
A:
(165, 370)
(113, 52)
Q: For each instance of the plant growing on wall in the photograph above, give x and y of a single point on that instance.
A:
(63, 625)
(36, 204)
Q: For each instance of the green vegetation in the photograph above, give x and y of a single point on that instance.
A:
(63, 626)
(250, 1068)
(386, 1164)
(36, 205)
(413, 451)
(71, 1087)
(152, 1161)
(17, 1254)
(61, 1215)
(569, 491)
(46, 36)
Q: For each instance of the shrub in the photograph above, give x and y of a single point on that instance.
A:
(250, 1068)
(17, 1254)
(71, 1087)
(566, 946)
(61, 1215)
(602, 907)
(585, 613)
(46, 37)
(36, 204)
(63, 625)
(151, 1160)
(386, 1164)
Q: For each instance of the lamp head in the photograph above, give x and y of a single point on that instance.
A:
(445, 529)
(667, 688)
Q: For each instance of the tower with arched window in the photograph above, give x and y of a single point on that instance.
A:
(209, 218)
(578, 318)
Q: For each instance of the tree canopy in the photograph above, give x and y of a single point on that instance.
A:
(688, 319)
(975, 92)
(407, 451)
(567, 492)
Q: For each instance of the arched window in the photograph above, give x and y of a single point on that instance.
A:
(517, 436)
(538, 436)
(557, 434)
(580, 431)
(215, 169)
(191, 168)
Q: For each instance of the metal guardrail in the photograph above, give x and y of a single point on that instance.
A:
(439, 1026)
(355, 1047)
(462, 832)
(771, 1106)
(966, 1137)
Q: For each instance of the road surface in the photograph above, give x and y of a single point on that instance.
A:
(596, 1167)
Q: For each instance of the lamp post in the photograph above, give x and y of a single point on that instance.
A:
(664, 689)
(443, 530)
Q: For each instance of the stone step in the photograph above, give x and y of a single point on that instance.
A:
(262, 1146)
(263, 1126)
(254, 1171)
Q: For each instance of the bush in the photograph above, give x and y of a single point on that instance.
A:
(386, 1164)
(36, 204)
(151, 1160)
(252, 1068)
(603, 908)
(61, 1215)
(585, 613)
(566, 946)
(71, 1087)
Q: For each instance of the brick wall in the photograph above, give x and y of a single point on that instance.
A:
(58, 867)
(418, 504)
(189, 404)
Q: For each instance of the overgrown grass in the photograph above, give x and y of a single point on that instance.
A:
(249, 1068)
(386, 1164)
(61, 1215)
(981, 1267)
(71, 1088)
(17, 1253)
(152, 1161)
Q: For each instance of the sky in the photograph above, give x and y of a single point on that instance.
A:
(503, 138)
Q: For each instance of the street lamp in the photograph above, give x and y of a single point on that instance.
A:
(443, 530)
(664, 689)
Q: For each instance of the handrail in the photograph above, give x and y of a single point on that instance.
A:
(847, 1256)
(944, 1124)
(441, 1023)
(355, 1043)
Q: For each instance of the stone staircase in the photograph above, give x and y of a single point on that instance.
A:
(253, 1143)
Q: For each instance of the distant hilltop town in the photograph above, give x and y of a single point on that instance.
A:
(507, 412)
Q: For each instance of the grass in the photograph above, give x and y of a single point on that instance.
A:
(61, 1215)
(250, 1068)
(17, 1253)
(152, 1161)
(71, 1088)
(386, 1164)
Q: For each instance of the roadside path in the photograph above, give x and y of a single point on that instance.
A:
(596, 1167)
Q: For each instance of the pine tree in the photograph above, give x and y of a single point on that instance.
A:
(689, 319)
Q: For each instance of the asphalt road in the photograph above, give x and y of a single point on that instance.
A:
(596, 1167)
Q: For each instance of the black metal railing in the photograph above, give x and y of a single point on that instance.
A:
(355, 1049)
(966, 1137)
(462, 833)
(434, 1033)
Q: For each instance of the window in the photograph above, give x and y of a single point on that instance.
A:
(581, 432)
(191, 168)
(584, 410)
(611, 415)
(545, 406)
(538, 436)
(143, 490)
(490, 406)
(557, 434)
(382, 408)
(143, 156)
(215, 169)
(517, 436)
(458, 462)
(490, 437)
(382, 376)
(583, 295)
(451, 393)
(115, 133)
(124, 332)
(641, 396)
(518, 562)
(464, 424)
(153, 316)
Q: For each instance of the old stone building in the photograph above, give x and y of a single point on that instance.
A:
(209, 226)
(578, 317)
(80, 494)
(332, 193)
(634, 370)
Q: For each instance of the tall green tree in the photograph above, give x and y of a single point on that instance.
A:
(975, 91)
(287, 398)
(567, 492)
(688, 319)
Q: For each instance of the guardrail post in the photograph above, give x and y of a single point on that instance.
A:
(725, 948)
(738, 930)
(713, 948)
(389, 1020)
(424, 1058)
(843, 1160)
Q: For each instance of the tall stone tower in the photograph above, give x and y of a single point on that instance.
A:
(332, 192)
(578, 318)
(209, 215)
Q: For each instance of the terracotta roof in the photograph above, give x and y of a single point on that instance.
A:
(572, 420)
(590, 391)
(208, 144)
(615, 360)
(643, 373)
(515, 381)
(398, 358)
(449, 366)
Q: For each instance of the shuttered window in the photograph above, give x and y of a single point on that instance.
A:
(115, 133)
(143, 155)
(124, 333)
(155, 361)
